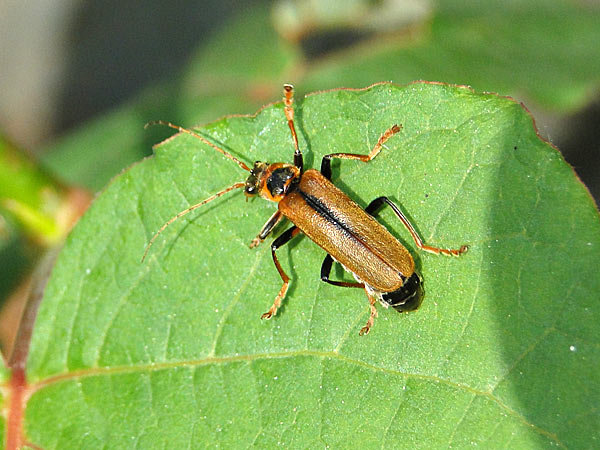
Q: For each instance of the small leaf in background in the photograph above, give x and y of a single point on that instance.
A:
(172, 353)
(543, 52)
(3, 400)
(33, 200)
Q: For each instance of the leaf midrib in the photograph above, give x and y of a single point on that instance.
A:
(333, 355)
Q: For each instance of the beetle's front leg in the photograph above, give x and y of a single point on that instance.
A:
(266, 229)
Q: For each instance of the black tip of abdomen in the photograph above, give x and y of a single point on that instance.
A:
(408, 297)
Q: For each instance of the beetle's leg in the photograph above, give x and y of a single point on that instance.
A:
(288, 100)
(326, 270)
(281, 240)
(379, 201)
(266, 229)
(369, 324)
(326, 161)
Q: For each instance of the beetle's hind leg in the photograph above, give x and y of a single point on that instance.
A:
(378, 203)
(326, 162)
(326, 270)
(281, 240)
(372, 301)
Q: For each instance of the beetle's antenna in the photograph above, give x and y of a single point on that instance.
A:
(191, 208)
(202, 138)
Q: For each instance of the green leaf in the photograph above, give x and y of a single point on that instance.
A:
(220, 80)
(543, 50)
(29, 197)
(4, 375)
(172, 353)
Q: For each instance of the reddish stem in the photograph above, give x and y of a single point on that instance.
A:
(14, 425)
(17, 384)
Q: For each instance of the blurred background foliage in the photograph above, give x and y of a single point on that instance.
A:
(80, 79)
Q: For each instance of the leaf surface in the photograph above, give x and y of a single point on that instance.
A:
(172, 353)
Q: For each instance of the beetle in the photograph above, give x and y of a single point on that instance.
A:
(349, 234)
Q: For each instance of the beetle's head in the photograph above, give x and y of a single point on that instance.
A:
(254, 179)
(271, 181)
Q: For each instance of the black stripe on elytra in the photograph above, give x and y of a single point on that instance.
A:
(328, 215)
(324, 211)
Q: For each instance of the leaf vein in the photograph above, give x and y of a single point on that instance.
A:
(116, 370)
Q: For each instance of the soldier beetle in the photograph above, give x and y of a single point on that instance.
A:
(349, 234)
